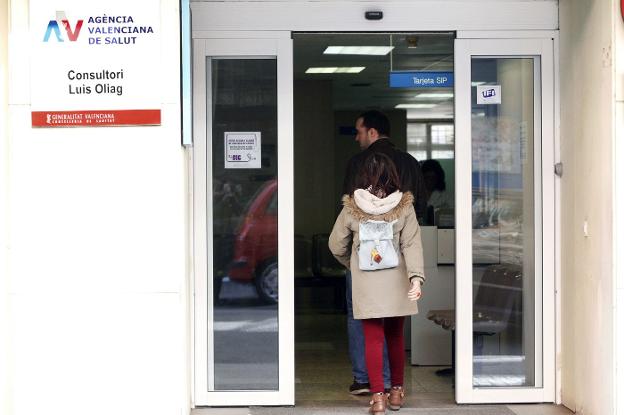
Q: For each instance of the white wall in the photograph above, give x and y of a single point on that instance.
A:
(587, 145)
(5, 403)
(97, 258)
(619, 207)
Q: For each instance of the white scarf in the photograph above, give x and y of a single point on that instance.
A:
(373, 205)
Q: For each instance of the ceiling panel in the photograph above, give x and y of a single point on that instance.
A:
(369, 88)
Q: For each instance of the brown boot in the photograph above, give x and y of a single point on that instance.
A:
(378, 404)
(396, 398)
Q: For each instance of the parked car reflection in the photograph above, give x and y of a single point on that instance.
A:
(255, 245)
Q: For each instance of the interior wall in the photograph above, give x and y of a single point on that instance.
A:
(587, 145)
(97, 259)
(314, 158)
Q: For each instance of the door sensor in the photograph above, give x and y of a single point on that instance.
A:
(373, 15)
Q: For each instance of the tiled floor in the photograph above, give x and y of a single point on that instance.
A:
(323, 375)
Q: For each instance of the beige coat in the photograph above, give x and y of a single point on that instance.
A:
(381, 293)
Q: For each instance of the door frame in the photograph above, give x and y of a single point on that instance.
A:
(398, 16)
(278, 46)
(548, 260)
(515, 19)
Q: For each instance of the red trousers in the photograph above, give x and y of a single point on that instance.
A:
(375, 329)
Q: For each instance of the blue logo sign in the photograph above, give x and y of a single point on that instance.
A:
(488, 93)
(421, 79)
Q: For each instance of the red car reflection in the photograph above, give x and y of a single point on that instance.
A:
(255, 245)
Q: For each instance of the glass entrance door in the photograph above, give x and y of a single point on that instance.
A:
(243, 221)
(505, 220)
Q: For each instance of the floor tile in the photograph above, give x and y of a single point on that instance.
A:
(323, 374)
(538, 409)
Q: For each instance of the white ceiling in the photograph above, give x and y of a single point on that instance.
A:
(369, 88)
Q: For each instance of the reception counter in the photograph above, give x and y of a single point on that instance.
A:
(430, 344)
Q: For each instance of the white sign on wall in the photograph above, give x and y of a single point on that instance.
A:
(488, 94)
(95, 64)
(243, 150)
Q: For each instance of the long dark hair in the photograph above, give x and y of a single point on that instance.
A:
(378, 175)
(435, 167)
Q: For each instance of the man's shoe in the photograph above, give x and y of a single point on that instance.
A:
(396, 398)
(378, 404)
(358, 388)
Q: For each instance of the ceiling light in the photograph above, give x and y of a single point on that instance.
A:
(334, 69)
(358, 50)
(416, 106)
(477, 83)
(435, 95)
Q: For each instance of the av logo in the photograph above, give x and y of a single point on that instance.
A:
(53, 26)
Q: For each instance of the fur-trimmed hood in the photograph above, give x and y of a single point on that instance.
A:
(360, 215)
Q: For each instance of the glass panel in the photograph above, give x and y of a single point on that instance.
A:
(504, 223)
(244, 213)
(417, 140)
(442, 154)
(442, 134)
(419, 155)
(416, 135)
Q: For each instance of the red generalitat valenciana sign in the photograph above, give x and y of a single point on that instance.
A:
(95, 118)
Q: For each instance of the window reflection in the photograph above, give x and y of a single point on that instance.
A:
(503, 218)
(244, 222)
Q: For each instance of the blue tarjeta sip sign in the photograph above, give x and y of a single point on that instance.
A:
(421, 79)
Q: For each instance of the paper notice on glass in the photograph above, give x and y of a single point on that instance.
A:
(488, 94)
(242, 150)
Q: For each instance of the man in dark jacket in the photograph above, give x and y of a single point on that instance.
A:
(373, 131)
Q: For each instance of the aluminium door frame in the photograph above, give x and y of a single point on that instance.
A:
(227, 26)
(520, 46)
(276, 46)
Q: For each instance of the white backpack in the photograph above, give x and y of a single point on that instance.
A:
(376, 246)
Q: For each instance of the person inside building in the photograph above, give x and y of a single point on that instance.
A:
(377, 237)
(373, 135)
(435, 183)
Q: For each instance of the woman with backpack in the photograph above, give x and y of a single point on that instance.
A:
(377, 237)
